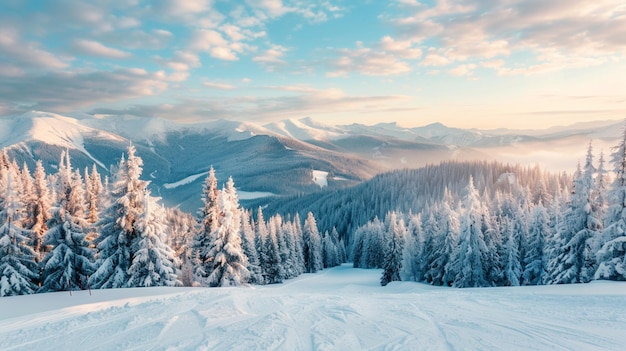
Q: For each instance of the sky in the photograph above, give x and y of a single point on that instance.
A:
(465, 63)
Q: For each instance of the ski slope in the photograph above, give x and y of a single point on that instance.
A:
(338, 309)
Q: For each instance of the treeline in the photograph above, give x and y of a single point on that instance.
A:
(513, 237)
(68, 231)
(414, 190)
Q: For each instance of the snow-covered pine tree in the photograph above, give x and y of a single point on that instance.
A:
(329, 251)
(468, 264)
(612, 254)
(512, 269)
(571, 258)
(249, 249)
(228, 262)
(260, 234)
(154, 262)
(412, 253)
(18, 268)
(94, 191)
(312, 245)
(298, 244)
(118, 231)
(40, 210)
(70, 262)
(439, 271)
(392, 265)
(209, 222)
(273, 272)
(535, 271)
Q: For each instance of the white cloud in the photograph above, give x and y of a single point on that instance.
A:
(94, 48)
(402, 48)
(463, 70)
(220, 86)
(272, 57)
(577, 32)
(368, 62)
(14, 50)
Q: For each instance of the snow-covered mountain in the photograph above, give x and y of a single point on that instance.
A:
(280, 158)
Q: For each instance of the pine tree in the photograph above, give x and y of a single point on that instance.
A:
(118, 223)
(154, 262)
(312, 245)
(612, 255)
(40, 211)
(249, 249)
(209, 217)
(273, 271)
(468, 264)
(535, 271)
(413, 250)
(228, 262)
(572, 258)
(18, 268)
(393, 254)
(70, 263)
(512, 269)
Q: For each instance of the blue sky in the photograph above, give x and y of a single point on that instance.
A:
(469, 63)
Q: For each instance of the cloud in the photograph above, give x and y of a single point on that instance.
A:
(402, 48)
(463, 70)
(272, 57)
(18, 53)
(301, 101)
(219, 86)
(473, 30)
(94, 48)
(368, 62)
(78, 89)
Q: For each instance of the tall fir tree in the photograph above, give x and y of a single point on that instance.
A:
(535, 271)
(18, 268)
(209, 222)
(118, 225)
(70, 262)
(612, 254)
(228, 262)
(392, 264)
(468, 263)
(154, 262)
(312, 245)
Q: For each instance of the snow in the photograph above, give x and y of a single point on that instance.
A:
(338, 309)
(184, 181)
(320, 178)
(251, 195)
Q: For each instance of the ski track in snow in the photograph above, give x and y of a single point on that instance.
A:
(337, 309)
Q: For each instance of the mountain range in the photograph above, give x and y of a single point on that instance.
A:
(282, 158)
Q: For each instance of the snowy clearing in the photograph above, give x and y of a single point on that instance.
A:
(338, 309)
(320, 178)
(251, 195)
(184, 181)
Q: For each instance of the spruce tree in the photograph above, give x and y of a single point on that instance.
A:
(535, 271)
(209, 222)
(18, 268)
(393, 252)
(154, 262)
(228, 262)
(312, 245)
(468, 264)
(118, 225)
(612, 254)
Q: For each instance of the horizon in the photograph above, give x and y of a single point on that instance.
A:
(467, 65)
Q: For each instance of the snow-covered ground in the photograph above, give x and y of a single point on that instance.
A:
(338, 309)
(320, 178)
